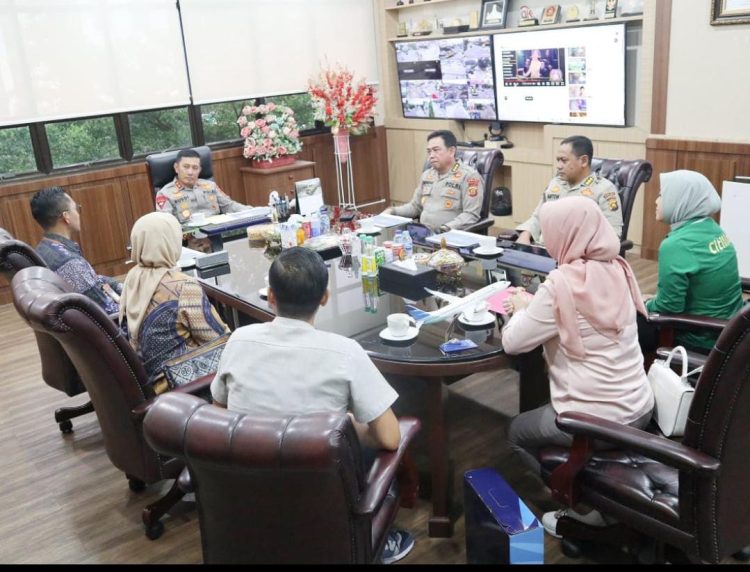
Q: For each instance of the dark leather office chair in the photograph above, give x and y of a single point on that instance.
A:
(689, 498)
(486, 162)
(57, 369)
(280, 490)
(627, 176)
(160, 167)
(113, 375)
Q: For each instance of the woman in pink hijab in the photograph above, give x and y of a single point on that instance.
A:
(584, 315)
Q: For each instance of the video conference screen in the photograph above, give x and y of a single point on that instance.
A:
(448, 78)
(573, 75)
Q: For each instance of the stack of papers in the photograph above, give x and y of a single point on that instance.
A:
(455, 238)
(389, 220)
(187, 258)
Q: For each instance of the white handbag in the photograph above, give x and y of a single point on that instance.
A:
(673, 394)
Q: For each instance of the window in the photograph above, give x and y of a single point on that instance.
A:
(16, 152)
(82, 141)
(220, 121)
(155, 131)
(300, 103)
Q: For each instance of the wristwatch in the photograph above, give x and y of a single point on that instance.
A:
(444, 228)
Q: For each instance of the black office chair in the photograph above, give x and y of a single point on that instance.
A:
(486, 162)
(161, 167)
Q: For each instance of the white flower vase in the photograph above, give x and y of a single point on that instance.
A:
(341, 144)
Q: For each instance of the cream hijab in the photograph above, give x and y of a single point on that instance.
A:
(156, 242)
(591, 278)
(687, 195)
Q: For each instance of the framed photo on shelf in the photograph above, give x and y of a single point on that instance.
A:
(730, 12)
(494, 13)
(610, 9)
(631, 8)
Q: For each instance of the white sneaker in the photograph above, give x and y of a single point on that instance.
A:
(549, 519)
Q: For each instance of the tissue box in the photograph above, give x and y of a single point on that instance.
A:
(500, 528)
(395, 279)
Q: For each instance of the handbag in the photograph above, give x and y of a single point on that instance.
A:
(673, 394)
(195, 363)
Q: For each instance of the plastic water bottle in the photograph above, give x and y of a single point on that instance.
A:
(408, 244)
(315, 225)
(325, 220)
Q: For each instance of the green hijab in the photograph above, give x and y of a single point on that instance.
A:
(687, 195)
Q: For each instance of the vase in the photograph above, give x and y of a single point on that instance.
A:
(273, 163)
(341, 144)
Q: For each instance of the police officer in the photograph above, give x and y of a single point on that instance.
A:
(449, 194)
(574, 179)
(187, 194)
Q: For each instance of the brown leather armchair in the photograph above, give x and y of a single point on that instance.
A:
(112, 374)
(280, 489)
(486, 162)
(57, 370)
(688, 498)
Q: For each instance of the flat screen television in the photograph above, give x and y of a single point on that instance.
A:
(448, 78)
(570, 75)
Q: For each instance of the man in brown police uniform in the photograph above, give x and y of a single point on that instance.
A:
(575, 179)
(449, 194)
(187, 194)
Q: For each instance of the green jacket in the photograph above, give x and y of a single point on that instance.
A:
(697, 275)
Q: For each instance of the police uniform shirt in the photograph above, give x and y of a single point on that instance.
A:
(205, 197)
(595, 187)
(453, 199)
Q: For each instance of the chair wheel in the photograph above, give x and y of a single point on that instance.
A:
(66, 426)
(571, 549)
(155, 530)
(136, 485)
(742, 555)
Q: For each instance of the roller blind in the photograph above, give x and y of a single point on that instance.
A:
(242, 48)
(76, 58)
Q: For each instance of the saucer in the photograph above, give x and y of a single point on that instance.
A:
(409, 335)
(481, 251)
(263, 292)
(374, 230)
(487, 318)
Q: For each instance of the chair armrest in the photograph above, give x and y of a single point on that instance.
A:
(653, 446)
(385, 468)
(745, 284)
(505, 234)
(625, 245)
(687, 321)
(140, 410)
(184, 482)
(480, 225)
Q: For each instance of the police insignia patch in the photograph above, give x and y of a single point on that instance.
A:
(473, 182)
(448, 204)
(424, 200)
(612, 204)
(472, 191)
(161, 200)
(587, 192)
(555, 189)
(186, 213)
(588, 180)
(455, 168)
(178, 185)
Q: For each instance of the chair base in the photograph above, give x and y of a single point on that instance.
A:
(65, 414)
(153, 512)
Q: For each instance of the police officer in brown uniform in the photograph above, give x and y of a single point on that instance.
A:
(449, 194)
(574, 179)
(188, 194)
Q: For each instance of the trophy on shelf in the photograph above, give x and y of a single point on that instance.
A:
(592, 11)
(610, 10)
(550, 14)
(572, 13)
(527, 17)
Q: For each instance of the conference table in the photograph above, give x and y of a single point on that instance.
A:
(354, 311)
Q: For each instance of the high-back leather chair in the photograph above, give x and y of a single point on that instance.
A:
(160, 167)
(627, 176)
(112, 374)
(57, 369)
(689, 496)
(280, 489)
(486, 162)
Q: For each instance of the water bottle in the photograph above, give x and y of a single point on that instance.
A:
(408, 244)
(315, 225)
(325, 220)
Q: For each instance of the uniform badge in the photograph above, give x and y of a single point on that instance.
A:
(178, 185)
(612, 204)
(161, 200)
(473, 182)
(448, 204)
(186, 213)
(455, 168)
(587, 192)
(450, 192)
(555, 189)
(588, 180)
(428, 178)
(212, 198)
(424, 200)
(206, 185)
(472, 191)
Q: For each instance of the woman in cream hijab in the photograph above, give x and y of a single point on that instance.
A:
(584, 315)
(166, 312)
(698, 271)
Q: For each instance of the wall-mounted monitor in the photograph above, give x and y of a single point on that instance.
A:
(570, 75)
(447, 78)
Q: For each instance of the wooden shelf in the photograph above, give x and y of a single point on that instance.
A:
(485, 31)
(416, 3)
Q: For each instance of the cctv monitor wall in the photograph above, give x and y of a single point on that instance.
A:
(571, 75)
(447, 78)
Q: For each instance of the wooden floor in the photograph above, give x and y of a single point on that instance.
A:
(63, 502)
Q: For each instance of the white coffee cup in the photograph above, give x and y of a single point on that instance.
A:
(398, 325)
(367, 224)
(478, 311)
(198, 218)
(488, 243)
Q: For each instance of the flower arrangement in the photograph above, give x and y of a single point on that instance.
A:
(270, 132)
(341, 102)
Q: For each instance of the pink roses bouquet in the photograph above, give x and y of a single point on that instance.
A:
(270, 131)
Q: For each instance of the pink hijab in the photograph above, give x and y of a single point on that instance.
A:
(591, 278)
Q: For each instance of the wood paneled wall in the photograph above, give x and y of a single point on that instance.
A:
(112, 199)
(716, 160)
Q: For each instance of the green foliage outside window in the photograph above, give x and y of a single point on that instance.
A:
(16, 152)
(303, 110)
(82, 141)
(160, 130)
